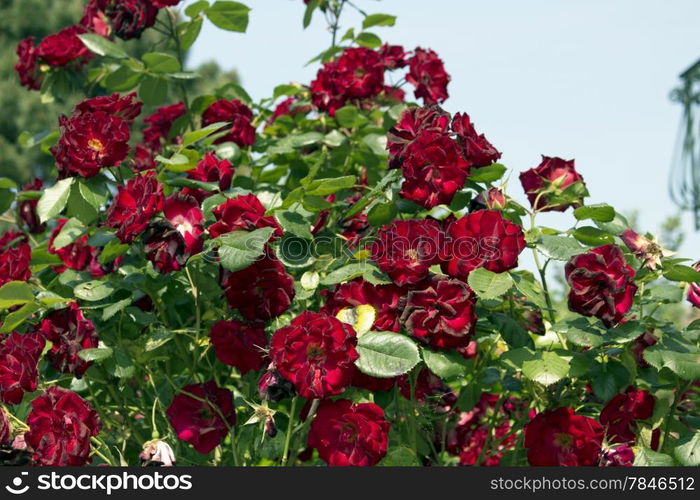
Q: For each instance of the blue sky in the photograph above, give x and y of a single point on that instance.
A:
(583, 79)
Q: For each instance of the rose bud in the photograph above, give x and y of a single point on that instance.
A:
(405, 249)
(645, 249)
(347, 434)
(239, 344)
(27, 208)
(61, 424)
(554, 185)
(242, 132)
(601, 284)
(134, 206)
(621, 413)
(15, 256)
(19, 356)
(619, 456)
(69, 332)
(561, 438)
(273, 387)
(64, 47)
(157, 453)
(316, 353)
(27, 66)
(493, 199)
(427, 73)
(694, 289)
(202, 424)
(270, 427)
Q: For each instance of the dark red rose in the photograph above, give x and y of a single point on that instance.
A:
(165, 3)
(212, 169)
(240, 344)
(127, 18)
(434, 169)
(261, 291)
(601, 284)
(482, 239)
(394, 94)
(427, 73)
(386, 300)
(90, 141)
(347, 434)
(80, 256)
(238, 115)
(405, 249)
(64, 47)
(203, 425)
(159, 124)
(143, 160)
(392, 56)
(287, 107)
(5, 428)
(620, 456)
(441, 313)
(27, 66)
(561, 438)
(412, 123)
(245, 212)
(621, 413)
(694, 289)
(165, 247)
(27, 208)
(15, 256)
(371, 383)
(69, 332)
(183, 213)
(316, 353)
(95, 20)
(429, 388)
(470, 433)
(554, 185)
(477, 149)
(357, 74)
(273, 387)
(135, 205)
(61, 424)
(492, 199)
(647, 339)
(124, 107)
(19, 355)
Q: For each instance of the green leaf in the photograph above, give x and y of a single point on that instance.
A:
(7, 197)
(348, 116)
(600, 213)
(78, 207)
(531, 289)
(400, 456)
(70, 232)
(345, 273)
(193, 136)
(369, 40)
(376, 143)
(386, 354)
(180, 162)
(309, 12)
(514, 334)
(382, 213)
(6, 183)
(95, 353)
(190, 32)
(294, 223)
(153, 90)
(547, 368)
(580, 332)
(102, 46)
(688, 453)
(54, 199)
(378, 20)
(680, 272)
(196, 8)
(447, 365)
(684, 364)
(609, 379)
(489, 285)
(159, 62)
(16, 318)
(113, 249)
(559, 247)
(646, 457)
(324, 187)
(120, 365)
(593, 236)
(94, 191)
(92, 291)
(122, 79)
(490, 173)
(240, 249)
(229, 16)
(15, 293)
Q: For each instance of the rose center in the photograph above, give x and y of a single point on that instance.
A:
(412, 254)
(96, 145)
(314, 351)
(182, 225)
(563, 440)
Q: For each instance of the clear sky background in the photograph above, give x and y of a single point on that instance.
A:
(583, 79)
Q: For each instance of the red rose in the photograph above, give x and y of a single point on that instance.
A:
(621, 413)
(27, 66)
(15, 256)
(261, 291)
(238, 114)
(441, 313)
(210, 169)
(371, 383)
(347, 434)
(492, 199)
(427, 73)
(357, 74)
(482, 239)
(80, 256)
(245, 212)
(165, 3)
(64, 47)
(124, 107)
(647, 339)
(561, 438)
(61, 424)
(184, 214)
(392, 56)
(406, 249)
(287, 107)
(601, 284)
(477, 149)
(203, 425)
(694, 289)
(620, 456)
(19, 355)
(69, 332)
(90, 141)
(240, 344)
(27, 208)
(412, 123)
(159, 124)
(165, 247)
(434, 169)
(554, 185)
(135, 205)
(316, 353)
(127, 18)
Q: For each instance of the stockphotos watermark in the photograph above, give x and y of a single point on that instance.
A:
(98, 482)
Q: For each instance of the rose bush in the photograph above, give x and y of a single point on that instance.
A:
(334, 274)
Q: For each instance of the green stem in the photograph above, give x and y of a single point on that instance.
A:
(288, 436)
(172, 17)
